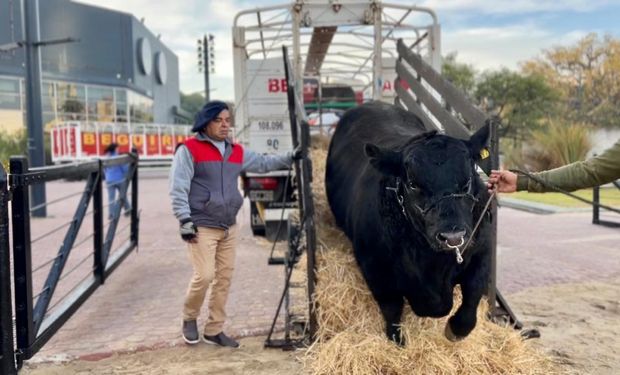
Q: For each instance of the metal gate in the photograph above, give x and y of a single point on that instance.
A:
(596, 208)
(37, 317)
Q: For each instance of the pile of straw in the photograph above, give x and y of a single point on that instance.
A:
(351, 338)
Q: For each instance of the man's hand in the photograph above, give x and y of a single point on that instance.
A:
(504, 181)
(188, 231)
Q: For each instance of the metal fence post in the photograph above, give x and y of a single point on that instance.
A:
(135, 224)
(596, 198)
(492, 285)
(7, 350)
(22, 257)
(98, 230)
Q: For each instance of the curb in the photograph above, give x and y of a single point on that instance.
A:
(538, 208)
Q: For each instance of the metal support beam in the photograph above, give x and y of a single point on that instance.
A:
(319, 44)
(494, 164)
(98, 265)
(22, 258)
(7, 350)
(135, 218)
(34, 110)
(377, 74)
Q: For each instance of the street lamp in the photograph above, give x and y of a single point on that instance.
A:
(206, 59)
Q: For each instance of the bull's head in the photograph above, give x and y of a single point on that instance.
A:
(437, 185)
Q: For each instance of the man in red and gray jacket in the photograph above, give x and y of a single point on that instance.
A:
(206, 199)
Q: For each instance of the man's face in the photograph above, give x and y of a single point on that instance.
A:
(218, 128)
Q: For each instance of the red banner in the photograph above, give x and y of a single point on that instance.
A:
(93, 142)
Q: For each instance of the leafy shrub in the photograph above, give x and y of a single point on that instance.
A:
(14, 143)
(555, 145)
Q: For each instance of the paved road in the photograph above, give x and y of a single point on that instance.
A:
(140, 305)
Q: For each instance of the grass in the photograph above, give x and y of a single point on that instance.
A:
(609, 196)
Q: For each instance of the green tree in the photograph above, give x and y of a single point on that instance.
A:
(587, 75)
(520, 101)
(463, 76)
(11, 144)
(192, 103)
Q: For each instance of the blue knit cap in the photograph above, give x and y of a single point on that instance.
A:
(208, 113)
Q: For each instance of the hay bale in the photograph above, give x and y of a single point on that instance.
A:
(351, 338)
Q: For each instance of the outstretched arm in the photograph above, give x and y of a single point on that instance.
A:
(255, 162)
(598, 170)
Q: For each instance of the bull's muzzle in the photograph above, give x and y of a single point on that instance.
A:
(451, 239)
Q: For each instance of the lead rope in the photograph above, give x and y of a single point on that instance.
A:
(457, 250)
(460, 252)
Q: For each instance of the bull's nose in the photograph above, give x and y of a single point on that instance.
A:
(452, 238)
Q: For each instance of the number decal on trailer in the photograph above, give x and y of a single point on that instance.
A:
(275, 143)
(270, 125)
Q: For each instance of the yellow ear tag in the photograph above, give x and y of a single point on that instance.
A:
(484, 153)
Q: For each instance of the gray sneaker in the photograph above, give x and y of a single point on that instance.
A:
(222, 340)
(190, 332)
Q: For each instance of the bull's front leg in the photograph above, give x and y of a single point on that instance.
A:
(392, 308)
(473, 286)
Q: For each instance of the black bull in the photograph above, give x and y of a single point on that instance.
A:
(407, 199)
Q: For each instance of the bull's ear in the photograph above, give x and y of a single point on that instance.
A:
(478, 142)
(385, 161)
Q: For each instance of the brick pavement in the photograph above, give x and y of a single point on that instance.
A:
(140, 304)
(539, 250)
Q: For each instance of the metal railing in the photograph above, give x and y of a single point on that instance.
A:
(37, 317)
(596, 209)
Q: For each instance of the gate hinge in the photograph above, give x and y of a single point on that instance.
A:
(16, 180)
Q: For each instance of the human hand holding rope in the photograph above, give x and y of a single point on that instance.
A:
(502, 181)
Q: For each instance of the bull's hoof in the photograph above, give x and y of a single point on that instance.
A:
(450, 335)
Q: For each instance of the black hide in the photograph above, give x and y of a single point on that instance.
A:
(380, 152)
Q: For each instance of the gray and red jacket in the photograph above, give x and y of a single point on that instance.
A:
(204, 183)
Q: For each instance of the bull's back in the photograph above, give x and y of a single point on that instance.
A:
(351, 183)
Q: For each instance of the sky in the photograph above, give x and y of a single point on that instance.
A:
(487, 34)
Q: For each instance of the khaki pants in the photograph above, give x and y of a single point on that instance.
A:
(213, 260)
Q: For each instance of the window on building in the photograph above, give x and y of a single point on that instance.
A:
(71, 101)
(48, 103)
(140, 108)
(10, 97)
(121, 105)
(100, 103)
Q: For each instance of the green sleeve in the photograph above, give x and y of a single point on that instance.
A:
(599, 170)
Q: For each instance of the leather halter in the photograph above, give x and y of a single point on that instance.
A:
(400, 198)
